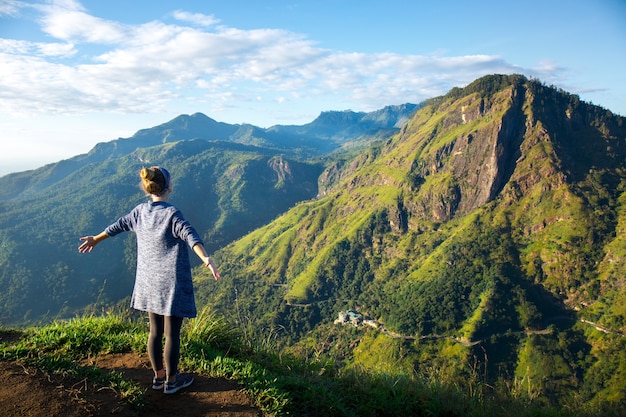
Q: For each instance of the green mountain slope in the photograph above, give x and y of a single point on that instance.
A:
(486, 238)
(330, 131)
(224, 189)
(230, 179)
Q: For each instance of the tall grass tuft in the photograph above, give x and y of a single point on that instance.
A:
(209, 331)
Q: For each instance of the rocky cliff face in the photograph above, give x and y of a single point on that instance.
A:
(465, 151)
(471, 166)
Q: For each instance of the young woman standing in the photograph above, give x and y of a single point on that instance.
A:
(163, 283)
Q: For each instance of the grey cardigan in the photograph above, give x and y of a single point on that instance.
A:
(163, 283)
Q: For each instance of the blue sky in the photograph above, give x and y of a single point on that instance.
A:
(75, 73)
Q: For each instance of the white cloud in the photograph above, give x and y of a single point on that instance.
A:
(15, 47)
(57, 49)
(67, 20)
(142, 68)
(9, 7)
(196, 18)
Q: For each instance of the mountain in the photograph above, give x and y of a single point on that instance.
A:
(228, 179)
(346, 126)
(223, 189)
(480, 235)
(485, 241)
(315, 139)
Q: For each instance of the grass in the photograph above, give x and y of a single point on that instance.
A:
(59, 347)
(279, 384)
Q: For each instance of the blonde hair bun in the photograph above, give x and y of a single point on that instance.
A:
(152, 180)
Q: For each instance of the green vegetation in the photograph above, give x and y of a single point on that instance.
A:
(223, 192)
(485, 240)
(479, 256)
(280, 385)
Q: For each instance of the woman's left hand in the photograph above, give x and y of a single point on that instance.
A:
(209, 264)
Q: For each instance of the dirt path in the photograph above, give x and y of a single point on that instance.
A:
(29, 393)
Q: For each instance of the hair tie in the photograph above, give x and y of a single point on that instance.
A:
(166, 175)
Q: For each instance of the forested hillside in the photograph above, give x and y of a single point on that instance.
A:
(224, 190)
(481, 237)
(485, 240)
(228, 180)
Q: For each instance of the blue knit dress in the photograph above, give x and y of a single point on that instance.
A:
(163, 284)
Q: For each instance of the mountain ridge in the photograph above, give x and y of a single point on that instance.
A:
(494, 215)
(294, 141)
(228, 182)
(490, 214)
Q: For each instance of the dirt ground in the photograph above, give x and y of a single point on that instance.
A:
(25, 392)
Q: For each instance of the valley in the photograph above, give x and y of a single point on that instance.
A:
(471, 228)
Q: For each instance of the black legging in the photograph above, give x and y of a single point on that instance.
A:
(170, 327)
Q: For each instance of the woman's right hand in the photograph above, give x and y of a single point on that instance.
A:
(88, 244)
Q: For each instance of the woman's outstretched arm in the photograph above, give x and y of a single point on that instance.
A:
(90, 242)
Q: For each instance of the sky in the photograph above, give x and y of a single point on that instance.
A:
(75, 73)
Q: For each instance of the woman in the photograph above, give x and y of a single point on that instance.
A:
(163, 283)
